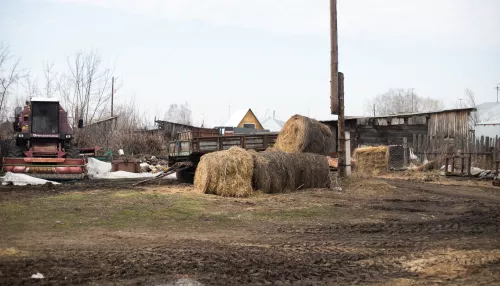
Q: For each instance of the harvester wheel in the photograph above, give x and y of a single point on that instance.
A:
(185, 176)
(71, 151)
(15, 151)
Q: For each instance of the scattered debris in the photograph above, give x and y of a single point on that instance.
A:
(496, 182)
(185, 282)
(38, 275)
(123, 175)
(96, 167)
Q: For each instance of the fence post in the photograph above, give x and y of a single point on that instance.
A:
(347, 154)
(469, 165)
(405, 151)
(419, 147)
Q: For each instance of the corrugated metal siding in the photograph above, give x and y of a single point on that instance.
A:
(449, 124)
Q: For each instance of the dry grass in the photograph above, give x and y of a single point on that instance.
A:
(225, 173)
(304, 135)
(372, 160)
(276, 171)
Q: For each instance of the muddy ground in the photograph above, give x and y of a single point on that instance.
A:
(381, 231)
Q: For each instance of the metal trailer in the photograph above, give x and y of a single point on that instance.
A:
(191, 145)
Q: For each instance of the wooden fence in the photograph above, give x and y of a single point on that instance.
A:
(484, 152)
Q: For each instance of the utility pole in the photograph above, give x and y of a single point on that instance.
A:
(374, 110)
(112, 93)
(337, 89)
(334, 59)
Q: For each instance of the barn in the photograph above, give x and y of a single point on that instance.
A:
(391, 129)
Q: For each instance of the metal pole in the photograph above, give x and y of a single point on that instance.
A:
(112, 93)
(334, 58)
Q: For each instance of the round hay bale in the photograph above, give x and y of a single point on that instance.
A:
(225, 173)
(301, 134)
(276, 171)
(372, 160)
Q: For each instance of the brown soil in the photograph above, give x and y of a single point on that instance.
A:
(375, 231)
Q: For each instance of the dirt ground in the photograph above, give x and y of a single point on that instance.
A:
(384, 231)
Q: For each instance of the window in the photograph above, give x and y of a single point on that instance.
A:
(249, 125)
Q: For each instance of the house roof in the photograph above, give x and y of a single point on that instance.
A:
(406, 114)
(236, 118)
(272, 124)
(489, 113)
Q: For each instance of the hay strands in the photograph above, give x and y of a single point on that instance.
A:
(179, 166)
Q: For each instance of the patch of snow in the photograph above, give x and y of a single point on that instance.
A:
(123, 175)
(97, 167)
(38, 275)
(23, 180)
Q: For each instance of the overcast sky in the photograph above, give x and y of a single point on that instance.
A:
(265, 54)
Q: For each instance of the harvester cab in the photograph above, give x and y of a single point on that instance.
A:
(42, 145)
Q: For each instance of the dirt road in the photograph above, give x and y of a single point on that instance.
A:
(385, 232)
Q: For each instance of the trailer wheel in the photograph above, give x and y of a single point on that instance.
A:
(14, 151)
(186, 176)
(71, 151)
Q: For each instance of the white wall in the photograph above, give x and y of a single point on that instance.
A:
(490, 130)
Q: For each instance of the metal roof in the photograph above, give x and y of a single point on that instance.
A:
(45, 99)
(406, 114)
(272, 124)
(236, 118)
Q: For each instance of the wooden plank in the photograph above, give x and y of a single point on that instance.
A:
(419, 144)
(414, 143)
(405, 151)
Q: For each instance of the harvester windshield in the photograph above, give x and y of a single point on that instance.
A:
(44, 117)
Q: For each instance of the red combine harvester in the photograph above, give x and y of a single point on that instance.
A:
(42, 146)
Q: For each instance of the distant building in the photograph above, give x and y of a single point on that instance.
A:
(272, 124)
(244, 118)
(488, 120)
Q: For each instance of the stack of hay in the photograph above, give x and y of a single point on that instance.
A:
(372, 159)
(225, 173)
(276, 171)
(301, 134)
(298, 161)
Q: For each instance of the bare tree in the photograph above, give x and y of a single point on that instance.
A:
(51, 82)
(86, 89)
(477, 116)
(179, 114)
(399, 101)
(9, 75)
